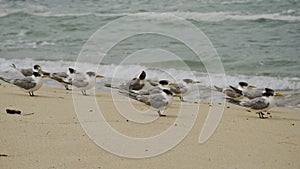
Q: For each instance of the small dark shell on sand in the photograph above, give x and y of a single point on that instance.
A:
(11, 111)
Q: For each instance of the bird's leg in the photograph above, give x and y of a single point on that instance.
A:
(31, 93)
(181, 98)
(161, 115)
(262, 115)
(83, 92)
(259, 114)
(67, 87)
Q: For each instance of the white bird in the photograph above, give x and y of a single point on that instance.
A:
(28, 84)
(233, 94)
(158, 101)
(263, 103)
(184, 88)
(29, 71)
(85, 81)
(64, 78)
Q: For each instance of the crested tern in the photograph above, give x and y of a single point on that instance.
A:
(136, 83)
(158, 101)
(64, 78)
(184, 88)
(235, 94)
(29, 71)
(28, 84)
(85, 81)
(261, 104)
(250, 94)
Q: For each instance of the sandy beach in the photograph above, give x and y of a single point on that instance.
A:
(47, 134)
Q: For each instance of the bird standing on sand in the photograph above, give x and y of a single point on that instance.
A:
(29, 71)
(64, 78)
(85, 81)
(158, 101)
(29, 84)
(235, 94)
(184, 88)
(261, 104)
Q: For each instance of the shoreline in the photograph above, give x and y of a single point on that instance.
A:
(48, 134)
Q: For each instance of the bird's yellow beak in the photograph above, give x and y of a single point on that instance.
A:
(251, 87)
(173, 84)
(279, 94)
(176, 95)
(46, 76)
(99, 76)
(195, 82)
(40, 69)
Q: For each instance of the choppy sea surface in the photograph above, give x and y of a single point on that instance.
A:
(257, 41)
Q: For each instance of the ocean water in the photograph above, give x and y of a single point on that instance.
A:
(257, 41)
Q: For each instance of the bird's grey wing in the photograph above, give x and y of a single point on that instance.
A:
(25, 83)
(236, 90)
(143, 98)
(80, 81)
(155, 90)
(219, 88)
(61, 80)
(141, 92)
(60, 75)
(175, 89)
(152, 82)
(232, 94)
(136, 85)
(158, 101)
(253, 94)
(183, 89)
(26, 72)
(256, 104)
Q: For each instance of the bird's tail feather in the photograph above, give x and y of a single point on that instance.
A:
(60, 80)
(219, 88)
(111, 86)
(5, 79)
(135, 96)
(236, 90)
(13, 66)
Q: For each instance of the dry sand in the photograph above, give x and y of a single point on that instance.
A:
(48, 135)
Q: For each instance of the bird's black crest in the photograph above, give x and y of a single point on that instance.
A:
(91, 73)
(142, 75)
(163, 82)
(168, 92)
(268, 92)
(36, 67)
(36, 74)
(243, 84)
(72, 70)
